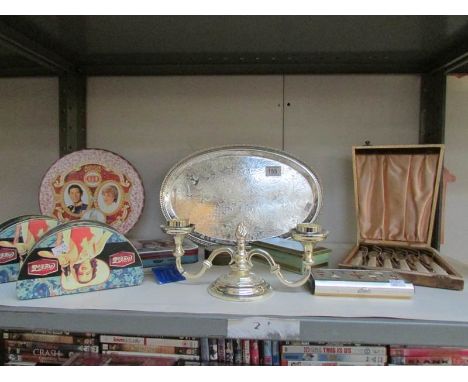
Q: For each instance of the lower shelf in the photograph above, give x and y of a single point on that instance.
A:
(20, 348)
(432, 317)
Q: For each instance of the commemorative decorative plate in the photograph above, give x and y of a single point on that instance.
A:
(268, 190)
(93, 184)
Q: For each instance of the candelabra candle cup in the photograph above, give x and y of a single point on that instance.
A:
(309, 234)
(241, 284)
(309, 228)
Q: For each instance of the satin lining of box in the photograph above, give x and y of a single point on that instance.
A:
(395, 196)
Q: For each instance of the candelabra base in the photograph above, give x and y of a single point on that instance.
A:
(240, 286)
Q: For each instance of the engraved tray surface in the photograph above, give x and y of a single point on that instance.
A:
(217, 189)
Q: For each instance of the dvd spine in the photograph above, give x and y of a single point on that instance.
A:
(362, 350)
(424, 361)
(149, 341)
(213, 349)
(38, 357)
(275, 352)
(333, 357)
(65, 340)
(237, 348)
(246, 352)
(426, 352)
(328, 363)
(254, 353)
(122, 340)
(150, 349)
(266, 352)
(204, 349)
(157, 355)
(229, 349)
(221, 350)
(48, 347)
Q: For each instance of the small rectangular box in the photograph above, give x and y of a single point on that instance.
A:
(359, 283)
(288, 254)
(158, 252)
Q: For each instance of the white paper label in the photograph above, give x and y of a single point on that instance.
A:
(263, 327)
(397, 283)
(273, 170)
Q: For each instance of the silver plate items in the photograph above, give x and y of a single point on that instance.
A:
(217, 189)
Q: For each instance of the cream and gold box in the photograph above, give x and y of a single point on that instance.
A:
(396, 191)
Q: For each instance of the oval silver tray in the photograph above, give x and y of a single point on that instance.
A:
(217, 189)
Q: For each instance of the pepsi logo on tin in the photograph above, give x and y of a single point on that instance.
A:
(7, 255)
(121, 259)
(42, 267)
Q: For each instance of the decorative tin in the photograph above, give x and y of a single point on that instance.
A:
(17, 237)
(95, 185)
(268, 190)
(158, 252)
(79, 256)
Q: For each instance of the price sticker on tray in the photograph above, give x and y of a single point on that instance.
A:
(263, 327)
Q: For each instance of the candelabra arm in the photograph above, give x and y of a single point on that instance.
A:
(205, 265)
(264, 254)
(220, 250)
(276, 269)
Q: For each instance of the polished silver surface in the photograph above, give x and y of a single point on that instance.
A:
(241, 284)
(268, 190)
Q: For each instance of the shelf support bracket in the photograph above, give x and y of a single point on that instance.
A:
(432, 108)
(72, 116)
(432, 128)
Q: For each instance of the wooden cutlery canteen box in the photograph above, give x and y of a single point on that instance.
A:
(396, 191)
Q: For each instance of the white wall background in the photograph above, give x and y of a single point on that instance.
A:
(456, 156)
(329, 114)
(29, 142)
(156, 121)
